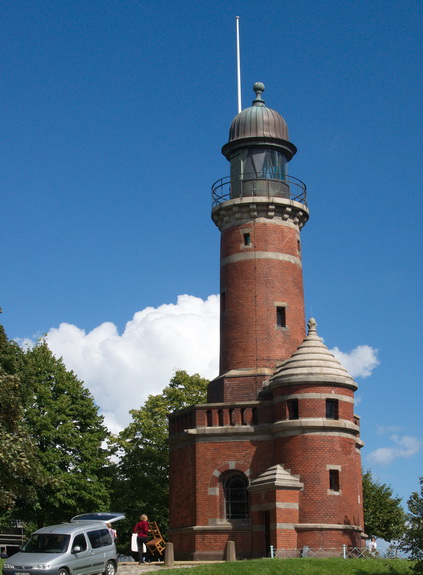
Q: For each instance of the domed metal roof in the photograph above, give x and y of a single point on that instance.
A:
(312, 362)
(259, 126)
(258, 121)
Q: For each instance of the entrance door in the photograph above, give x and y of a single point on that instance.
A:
(267, 533)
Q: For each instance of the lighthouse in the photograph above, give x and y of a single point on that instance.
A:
(273, 458)
(260, 212)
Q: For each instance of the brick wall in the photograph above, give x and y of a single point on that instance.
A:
(254, 280)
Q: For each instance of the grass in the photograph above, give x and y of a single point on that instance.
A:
(303, 566)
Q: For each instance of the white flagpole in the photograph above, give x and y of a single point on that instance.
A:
(238, 65)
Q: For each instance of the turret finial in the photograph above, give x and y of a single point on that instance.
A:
(258, 89)
(312, 325)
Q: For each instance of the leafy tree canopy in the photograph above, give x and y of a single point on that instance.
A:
(413, 538)
(20, 471)
(53, 461)
(63, 420)
(383, 515)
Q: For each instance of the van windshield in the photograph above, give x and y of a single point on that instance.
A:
(46, 543)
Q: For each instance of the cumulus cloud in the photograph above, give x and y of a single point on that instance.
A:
(122, 369)
(360, 362)
(404, 446)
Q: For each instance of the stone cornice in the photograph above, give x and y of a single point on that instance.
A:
(225, 526)
(241, 210)
(264, 432)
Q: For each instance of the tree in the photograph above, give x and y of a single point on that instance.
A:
(20, 472)
(63, 421)
(413, 538)
(142, 480)
(383, 515)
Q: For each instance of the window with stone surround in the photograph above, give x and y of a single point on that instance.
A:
(332, 409)
(235, 490)
(334, 480)
(281, 316)
(292, 405)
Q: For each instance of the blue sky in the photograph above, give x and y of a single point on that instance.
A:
(114, 114)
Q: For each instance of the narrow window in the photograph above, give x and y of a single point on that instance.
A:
(223, 302)
(333, 479)
(281, 316)
(331, 409)
(236, 496)
(292, 408)
(247, 239)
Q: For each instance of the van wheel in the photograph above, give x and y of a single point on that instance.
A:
(110, 569)
(63, 572)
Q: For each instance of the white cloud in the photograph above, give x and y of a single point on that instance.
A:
(360, 362)
(405, 446)
(122, 370)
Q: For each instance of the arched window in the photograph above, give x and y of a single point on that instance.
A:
(236, 496)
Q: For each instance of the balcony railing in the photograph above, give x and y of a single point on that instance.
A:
(229, 188)
(214, 415)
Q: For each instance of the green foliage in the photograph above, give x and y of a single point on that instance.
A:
(383, 515)
(53, 463)
(413, 538)
(20, 471)
(304, 566)
(63, 420)
(141, 482)
(19, 467)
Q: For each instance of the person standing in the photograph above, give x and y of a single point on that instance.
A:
(141, 529)
(373, 546)
(113, 532)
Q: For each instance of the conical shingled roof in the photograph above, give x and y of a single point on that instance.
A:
(312, 362)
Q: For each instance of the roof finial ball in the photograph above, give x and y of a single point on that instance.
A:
(258, 89)
(312, 325)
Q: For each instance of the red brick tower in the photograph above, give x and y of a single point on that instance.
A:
(273, 458)
(260, 212)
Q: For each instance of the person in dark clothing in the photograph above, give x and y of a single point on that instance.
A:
(142, 530)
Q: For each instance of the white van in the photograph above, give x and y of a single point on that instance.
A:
(82, 547)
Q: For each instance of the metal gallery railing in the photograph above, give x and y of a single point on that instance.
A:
(251, 185)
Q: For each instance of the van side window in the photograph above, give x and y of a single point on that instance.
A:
(99, 538)
(80, 541)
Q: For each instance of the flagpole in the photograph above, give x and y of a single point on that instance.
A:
(238, 65)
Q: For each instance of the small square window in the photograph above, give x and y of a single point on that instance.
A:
(331, 409)
(281, 316)
(333, 479)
